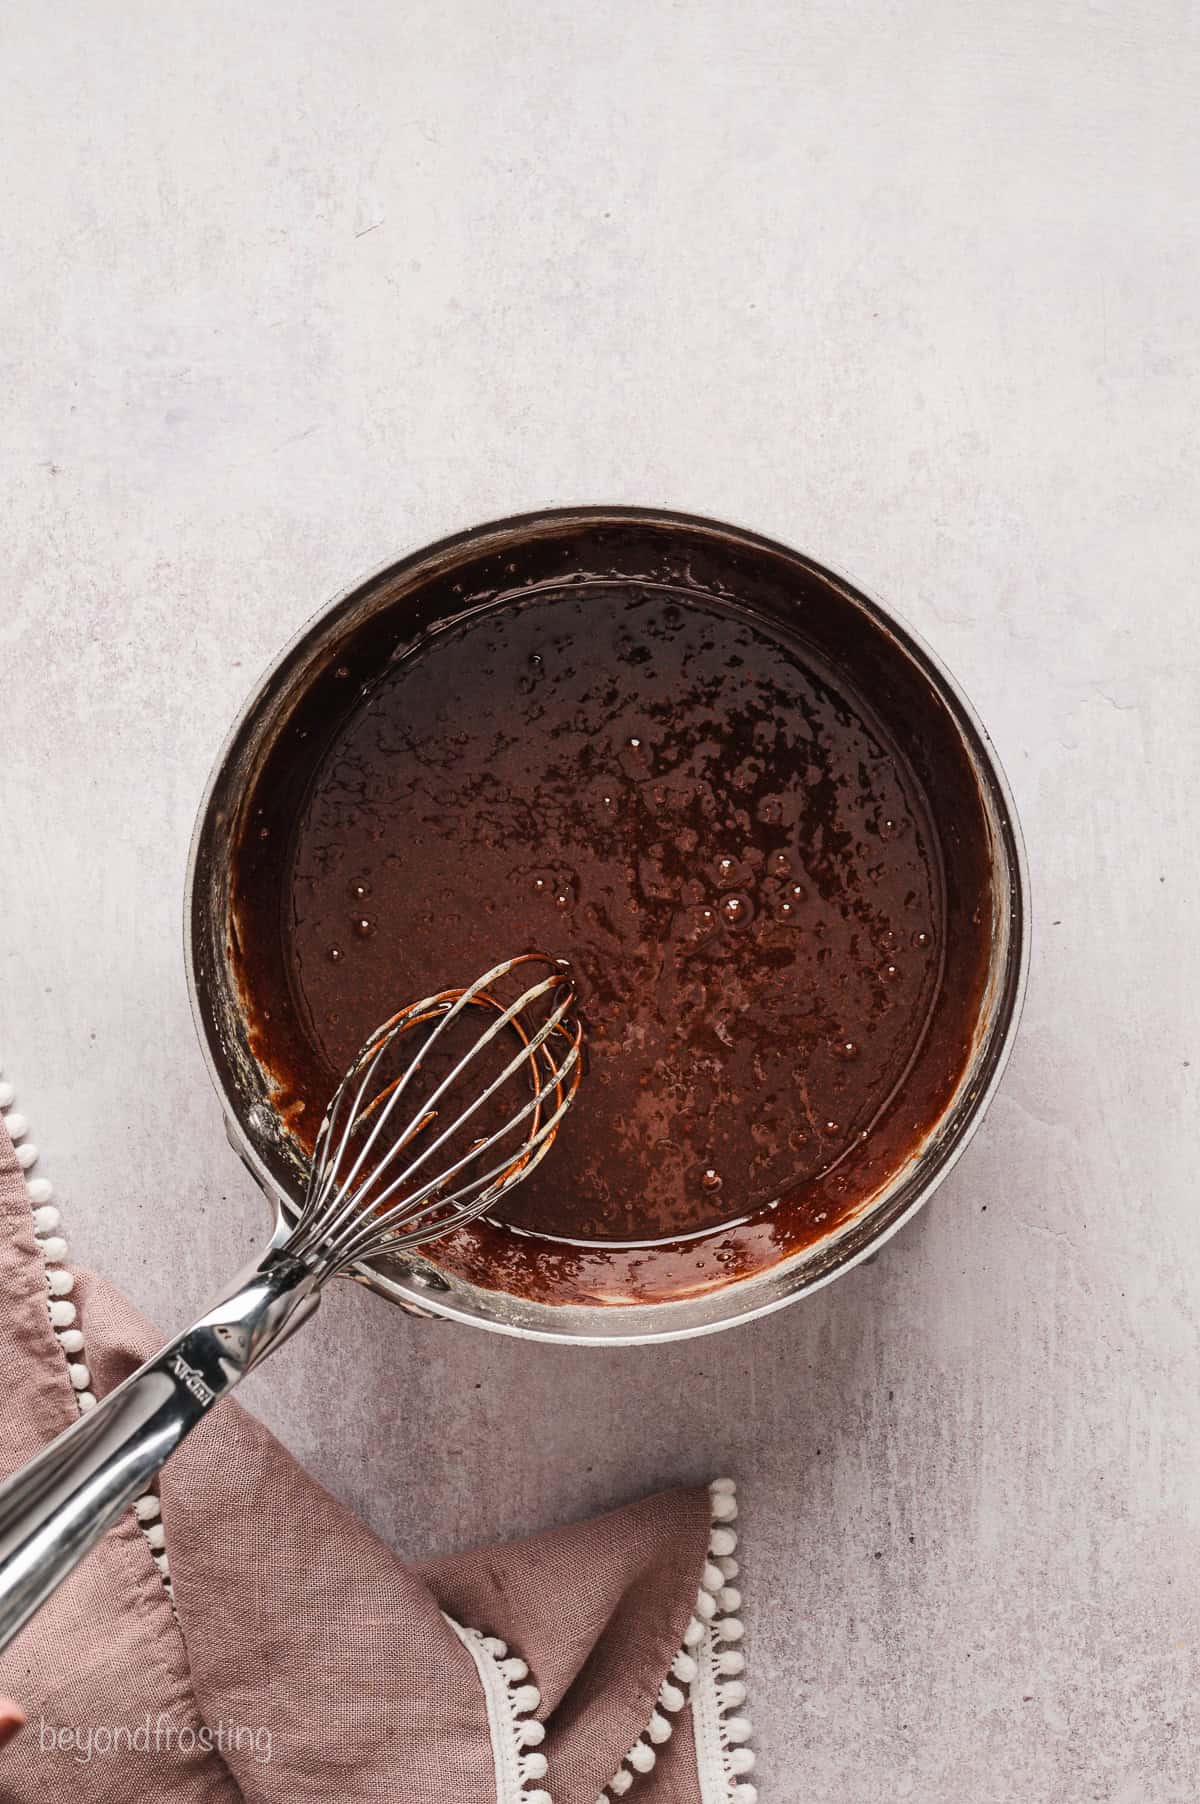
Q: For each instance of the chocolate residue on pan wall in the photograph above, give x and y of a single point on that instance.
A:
(773, 891)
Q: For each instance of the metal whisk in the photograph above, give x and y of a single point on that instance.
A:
(374, 1186)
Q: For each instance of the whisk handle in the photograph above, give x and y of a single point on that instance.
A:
(53, 1510)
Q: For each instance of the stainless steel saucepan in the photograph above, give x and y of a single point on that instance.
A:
(416, 596)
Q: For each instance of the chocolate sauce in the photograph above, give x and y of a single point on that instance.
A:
(707, 817)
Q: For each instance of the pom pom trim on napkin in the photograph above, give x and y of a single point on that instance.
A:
(516, 1733)
(60, 1282)
(707, 1673)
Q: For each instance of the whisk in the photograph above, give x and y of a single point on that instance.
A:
(374, 1186)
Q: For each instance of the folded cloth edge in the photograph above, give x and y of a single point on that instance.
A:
(707, 1674)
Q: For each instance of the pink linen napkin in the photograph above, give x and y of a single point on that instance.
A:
(242, 1636)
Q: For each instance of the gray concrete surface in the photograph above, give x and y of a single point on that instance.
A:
(290, 289)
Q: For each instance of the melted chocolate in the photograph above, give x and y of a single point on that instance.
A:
(737, 855)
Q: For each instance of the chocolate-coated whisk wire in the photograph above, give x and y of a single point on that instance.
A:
(364, 1196)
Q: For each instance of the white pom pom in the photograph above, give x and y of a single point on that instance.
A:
(525, 1699)
(620, 1782)
(670, 1696)
(86, 1400)
(741, 1760)
(61, 1283)
(531, 1734)
(737, 1729)
(62, 1314)
(163, 1564)
(729, 1598)
(534, 1766)
(658, 1729)
(71, 1340)
(46, 1219)
(712, 1578)
(722, 1541)
(147, 1508)
(156, 1534)
(724, 1507)
(27, 1154)
(728, 1629)
(731, 1662)
(79, 1375)
(7, 1096)
(54, 1250)
(726, 1486)
(40, 1191)
(16, 1125)
(538, 1797)
(495, 1647)
(695, 1632)
(514, 1671)
(684, 1668)
(728, 1565)
(706, 1606)
(745, 1794)
(732, 1694)
(641, 1757)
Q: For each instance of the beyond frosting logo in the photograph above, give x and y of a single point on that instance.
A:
(153, 1736)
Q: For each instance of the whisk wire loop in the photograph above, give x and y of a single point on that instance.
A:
(349, 1212)
(447, 1005)
(473, 1198)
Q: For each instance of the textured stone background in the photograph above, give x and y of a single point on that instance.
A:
(290, 289)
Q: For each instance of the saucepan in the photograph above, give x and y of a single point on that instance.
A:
(284, 720)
